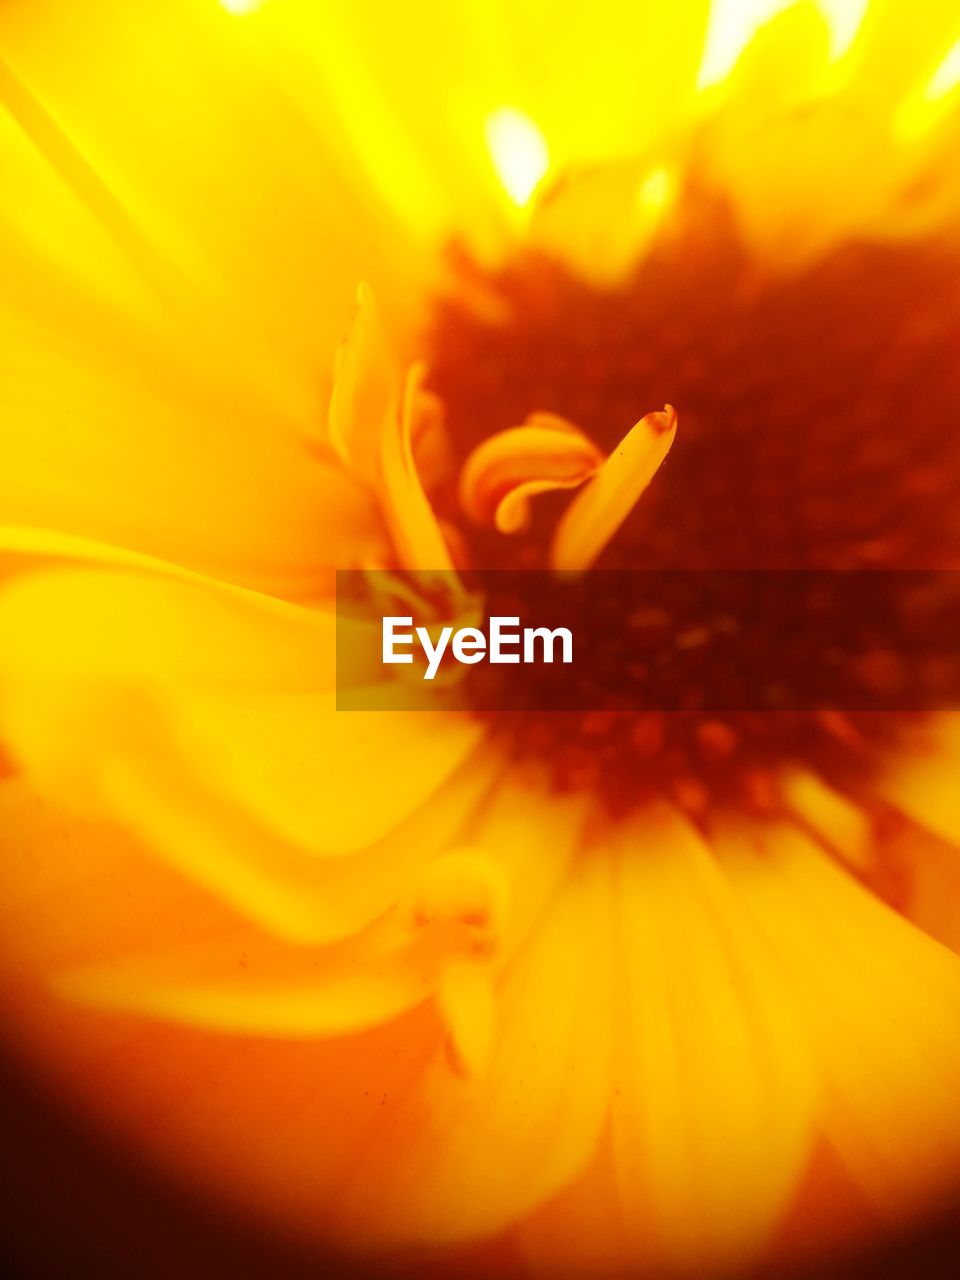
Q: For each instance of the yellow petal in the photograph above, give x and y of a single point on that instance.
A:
(130, 415)
(468, 1007)
(307, 770)
(531, 836)
(82, 890)
(109, 436)
(714, 1102)
(205, 721)
(922, 780)
(841, 823)
(462, 887)
(881, 1004)
(612, 111)
(268, 262)
(372, 421)
(836, 126)
(366, 388)
(434, 166)
(416, 531)
(439, 934)
(888, 67)
(368, 978)
(457, 1158)
(59, 259)
(598, 220)
(736, 25)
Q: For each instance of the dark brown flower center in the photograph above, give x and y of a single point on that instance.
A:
(819, 429)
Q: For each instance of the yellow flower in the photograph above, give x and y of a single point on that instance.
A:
(671, 286)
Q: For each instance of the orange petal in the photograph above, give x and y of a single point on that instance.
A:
(368, 978)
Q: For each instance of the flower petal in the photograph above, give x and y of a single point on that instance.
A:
(366, 387)
(369, 978)
(829, 125)
(922, 782)
(416, 531)
(881, 1004)
(117, 441)
(371, 424)
(257, 210)
(82, 891)
(713, 1115)
(205, 720)
(457, 1158)
(128, 413)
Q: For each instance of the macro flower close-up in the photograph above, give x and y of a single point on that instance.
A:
(416, 301)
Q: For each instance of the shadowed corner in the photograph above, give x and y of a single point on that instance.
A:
(70, 1206)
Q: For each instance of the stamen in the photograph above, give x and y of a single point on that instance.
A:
(598, 511)
(508, 469)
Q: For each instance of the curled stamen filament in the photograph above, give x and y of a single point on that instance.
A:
(508, 469)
